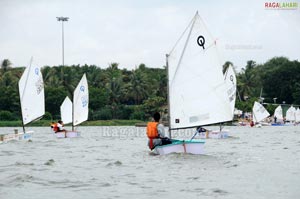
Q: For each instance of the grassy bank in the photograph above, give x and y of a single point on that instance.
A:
(87, 123)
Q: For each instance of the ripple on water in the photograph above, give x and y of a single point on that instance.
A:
(116, 163)
(219, 191)
(7, 153)
(49, 162)
(23, 164)
(18, 180)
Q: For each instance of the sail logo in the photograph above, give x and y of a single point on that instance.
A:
(82, 88)
(231, 79)
(201, 41)
(36, 71)
(281, 5)
(231, 93)
(39, 86)
(84, 101)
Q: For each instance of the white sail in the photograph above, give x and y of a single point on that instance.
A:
(66, 111)
(259, 112)
(291, 114)
(197, 92)
(81, 102)
(230, 80)
(278, 113)
(297, 114)
(31, 91)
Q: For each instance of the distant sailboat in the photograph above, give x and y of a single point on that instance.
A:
(290, 115)
(279, 116)
(196, 88)
(77, 112)
(259, 114)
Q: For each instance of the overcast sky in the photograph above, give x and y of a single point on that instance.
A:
(131, 32)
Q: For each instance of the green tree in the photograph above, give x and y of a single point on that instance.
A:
(5, 65)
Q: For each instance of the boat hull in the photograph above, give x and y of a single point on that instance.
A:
(214, 134)
(70, 134)
(181, 146)
(16, 136)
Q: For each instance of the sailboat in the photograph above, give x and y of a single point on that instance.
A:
(76, 112)
(230, 81)
(196, 90)
(259, 114)
(279, 117)
(32, 101)
(290, 116)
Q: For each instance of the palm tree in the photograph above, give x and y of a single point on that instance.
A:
(5, 65)
(138, 86)
(247, 80)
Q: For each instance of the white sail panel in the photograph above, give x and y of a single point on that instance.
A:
(66, 111)
(291, 114)
(230, 80)
(31, 91)
(197, 91)
(81, 102)
(259, 112)
(297, 114)
(278, 113)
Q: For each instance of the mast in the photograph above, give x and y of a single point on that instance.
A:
(168, 95)
(21, 97)
(22, 116)
(73, 113)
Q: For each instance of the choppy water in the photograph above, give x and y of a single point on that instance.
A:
(114, 162)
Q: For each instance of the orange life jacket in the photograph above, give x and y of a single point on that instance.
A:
(54, 127)
(152, 133)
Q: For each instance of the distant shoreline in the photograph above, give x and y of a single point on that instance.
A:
(46, 123)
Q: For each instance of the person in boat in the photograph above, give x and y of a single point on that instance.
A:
(156, 133)
(275, 119)
(58, 127)
(251, 123)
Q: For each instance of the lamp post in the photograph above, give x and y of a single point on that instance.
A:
(62, 19)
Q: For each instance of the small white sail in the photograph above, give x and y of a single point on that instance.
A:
(197, 92)
(31, 91)
(230, 80)
(259, 112)
(278, 113)
(291, 114)
(297, 114)
(66, 111)
(81, 102)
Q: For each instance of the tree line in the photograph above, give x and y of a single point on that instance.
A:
(116, 93)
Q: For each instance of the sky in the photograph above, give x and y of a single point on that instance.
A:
(131, 32)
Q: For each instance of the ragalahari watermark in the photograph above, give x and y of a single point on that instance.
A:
(281, 5)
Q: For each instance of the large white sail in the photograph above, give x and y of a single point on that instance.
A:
(291, 114)
(259, 112)
(66, 111)
(31, 91)
(81, 102)
(197, 92)
(230, 80)
(278, 113)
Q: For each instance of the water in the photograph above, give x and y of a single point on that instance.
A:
(114, 162)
